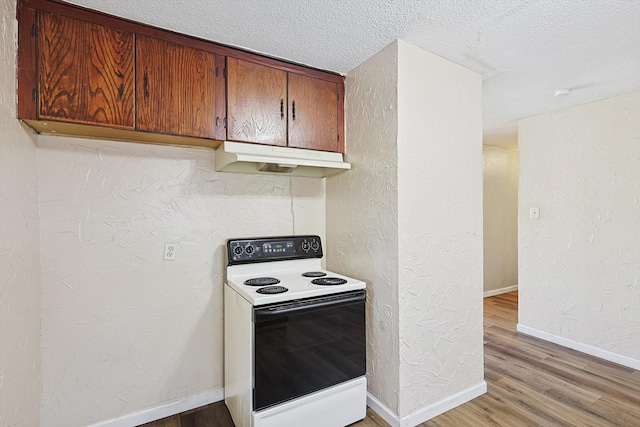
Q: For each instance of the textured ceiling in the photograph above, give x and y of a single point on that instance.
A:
(525, 49)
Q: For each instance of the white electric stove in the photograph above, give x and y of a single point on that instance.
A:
(294, 336)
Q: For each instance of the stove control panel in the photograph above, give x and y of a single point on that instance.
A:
(265, 249)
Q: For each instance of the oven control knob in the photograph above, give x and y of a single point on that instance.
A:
(249, 249)
(237, 250)
(305, 246)
(315, 245)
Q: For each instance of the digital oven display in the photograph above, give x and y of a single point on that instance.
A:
(280, 248)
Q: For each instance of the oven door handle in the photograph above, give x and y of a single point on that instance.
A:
(261, 314)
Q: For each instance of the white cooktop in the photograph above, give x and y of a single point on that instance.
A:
(290, 275)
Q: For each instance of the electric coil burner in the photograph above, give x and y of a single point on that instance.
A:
(270, 290)
(329, 281)
(262, 281)
(314, 274)
(294, 336)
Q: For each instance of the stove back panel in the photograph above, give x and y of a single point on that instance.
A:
(266, 249)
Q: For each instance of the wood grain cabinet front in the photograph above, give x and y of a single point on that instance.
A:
(256, 103)
(85, 72)
(267, 105)
(89, 74)
(175, 89)
(313, 114)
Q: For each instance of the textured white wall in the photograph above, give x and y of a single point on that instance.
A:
(439, 228)
(579, 272)
(124, 330)
(362, 217)
(408, 220)
(19, 242)
(500, 200)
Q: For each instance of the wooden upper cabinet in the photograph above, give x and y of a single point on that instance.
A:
(256, 103)
(89, 74)
(176, 89)
(85, 72)
(313, 113)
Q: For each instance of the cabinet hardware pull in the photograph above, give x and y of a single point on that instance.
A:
(282, 109)
(217, 121)
(293, 110)
(146, 85)
(122, 92)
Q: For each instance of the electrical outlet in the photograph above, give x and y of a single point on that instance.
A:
(170, 251)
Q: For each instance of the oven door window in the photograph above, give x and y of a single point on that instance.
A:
(303, 350)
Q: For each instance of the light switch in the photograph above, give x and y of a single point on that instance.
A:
(534, 213)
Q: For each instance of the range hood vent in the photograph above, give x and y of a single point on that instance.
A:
(265, 159)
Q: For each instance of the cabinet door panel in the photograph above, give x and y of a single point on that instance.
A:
(85, 72)
(256, 103)
(313, 114)
(110, 77)
(175, 87)
(61, 69)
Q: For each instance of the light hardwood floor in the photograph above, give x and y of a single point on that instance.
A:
(530, 383)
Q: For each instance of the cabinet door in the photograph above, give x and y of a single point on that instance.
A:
(175, 89)
(85, 72)
(256, 103)
(313, 113)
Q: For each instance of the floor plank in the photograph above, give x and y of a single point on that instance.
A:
(215, 414)
(173, 421)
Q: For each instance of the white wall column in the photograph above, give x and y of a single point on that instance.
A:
(408, 221)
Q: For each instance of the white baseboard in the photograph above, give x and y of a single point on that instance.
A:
(164, 410)
(494, 292)
(425, 414)
(381, 409)
(584, 348)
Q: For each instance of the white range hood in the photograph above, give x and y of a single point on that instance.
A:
(254, 158)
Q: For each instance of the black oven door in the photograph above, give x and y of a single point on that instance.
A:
(306, 345)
